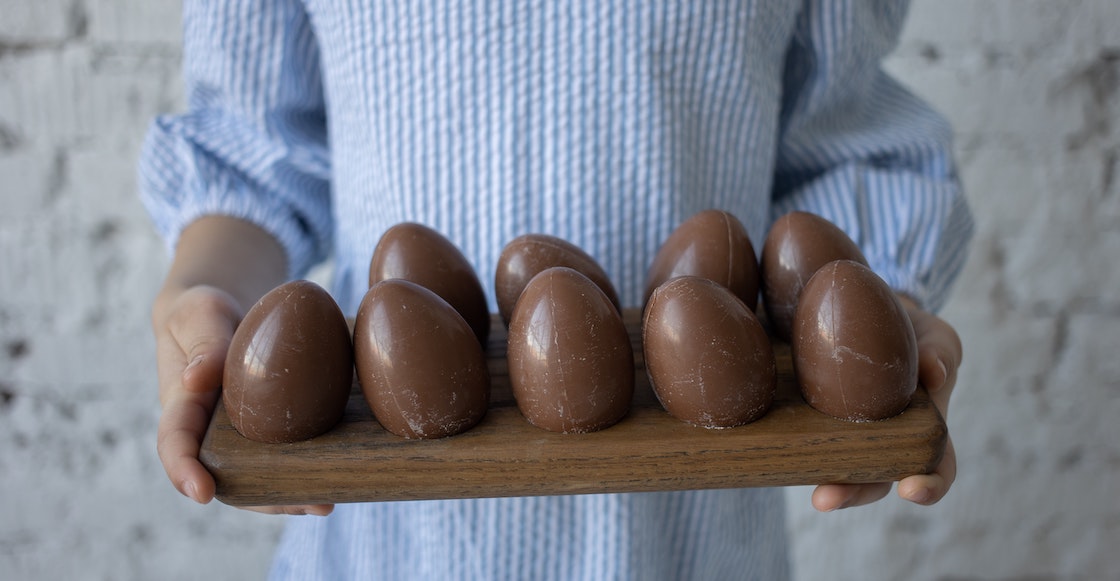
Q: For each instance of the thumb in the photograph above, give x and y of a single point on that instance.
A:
(939, 352)
(205, 336)
(205, 363)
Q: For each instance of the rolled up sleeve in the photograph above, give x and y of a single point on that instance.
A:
(859, 149)
(252, 143)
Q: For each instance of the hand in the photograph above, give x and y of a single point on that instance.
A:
(939, 357)
(220, 264)
(193, 330)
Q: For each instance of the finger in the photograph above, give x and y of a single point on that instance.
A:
(294, 510)
(170, 361)
(939, 351)
(928, 489)
(181, 428)
(830, 497)
(203, 332)
(933, 373)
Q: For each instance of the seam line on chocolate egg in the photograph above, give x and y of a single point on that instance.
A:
(832, 333)
(730, 250)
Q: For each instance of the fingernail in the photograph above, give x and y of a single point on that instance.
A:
(845, 504)
(921, 496)
(944, 370)
(190, 489)
(197, 360)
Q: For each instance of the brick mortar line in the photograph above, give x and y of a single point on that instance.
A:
(156, 49)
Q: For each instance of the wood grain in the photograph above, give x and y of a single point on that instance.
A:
(504, 455)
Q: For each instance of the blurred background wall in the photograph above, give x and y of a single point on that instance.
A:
(1032, 87)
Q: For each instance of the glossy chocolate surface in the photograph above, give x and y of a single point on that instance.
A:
(707, 356)
(798, 244)
(289, 367)
(421, 369)
(571, 365)
(712, 244)
(527, 255)
(854, 349)
(419, 254)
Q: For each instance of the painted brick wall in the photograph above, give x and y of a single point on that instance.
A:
(82, 493)
(1032, 87)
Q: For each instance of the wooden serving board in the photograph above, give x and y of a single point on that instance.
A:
(505, 455)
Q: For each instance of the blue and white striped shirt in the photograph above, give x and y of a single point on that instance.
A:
(605, 123)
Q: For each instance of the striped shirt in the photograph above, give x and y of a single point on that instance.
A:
(605, 123)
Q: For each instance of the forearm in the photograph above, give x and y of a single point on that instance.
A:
(230, 254)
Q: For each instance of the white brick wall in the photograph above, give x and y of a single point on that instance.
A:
(43, 21)
(1032, 87)
(82, 493)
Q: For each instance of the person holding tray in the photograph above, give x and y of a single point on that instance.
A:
(313, 126)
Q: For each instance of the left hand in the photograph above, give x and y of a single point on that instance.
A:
(939, 357)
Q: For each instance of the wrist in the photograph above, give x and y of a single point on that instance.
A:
(229, 254)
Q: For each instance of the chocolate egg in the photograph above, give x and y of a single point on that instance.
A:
(707, 356)
(798, 244)
(527, 255)
(419, 254)
(854, 349)
(289, 367)
(571, 365)
(421, 369)
(713, 245)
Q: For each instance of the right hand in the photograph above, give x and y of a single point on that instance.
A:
(193, 328)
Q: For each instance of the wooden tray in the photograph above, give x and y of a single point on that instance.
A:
(504, 455)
